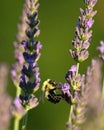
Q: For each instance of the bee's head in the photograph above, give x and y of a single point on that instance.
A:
(48, 85)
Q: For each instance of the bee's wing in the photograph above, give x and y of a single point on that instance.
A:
(42, 97)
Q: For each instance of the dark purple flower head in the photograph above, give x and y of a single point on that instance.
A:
(101, 50)
(27, 85)
(29, 58)
(30, 33)
(31, 21)
(30, 80)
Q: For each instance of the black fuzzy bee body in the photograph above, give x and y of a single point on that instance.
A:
(54, 98)
(49, 89)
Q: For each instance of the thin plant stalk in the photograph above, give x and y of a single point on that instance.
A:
(24, 122)
(70, 116)
(17, 118)
(77, 68)
(18, 92)
(16, 123)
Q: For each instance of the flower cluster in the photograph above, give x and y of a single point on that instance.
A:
(25, 71)
(77, 112)
(81, 43)
(75, 80)
(94, 96)
(29, 80)
(82, 39)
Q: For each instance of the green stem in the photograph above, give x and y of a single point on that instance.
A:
(70, 116)
(24, 122)
(77, 68)
(17, 119)
(16, 124)
(18, 92)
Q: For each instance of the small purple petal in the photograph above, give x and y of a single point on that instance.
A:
(101, 47)
(89, 23)
(17, 103)
(65, 88)
(38, 47)
(18, 109)
(73, 68)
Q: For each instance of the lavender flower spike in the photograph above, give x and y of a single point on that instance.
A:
(17, 109)
(5, 99)
(30, 80)
(83, 34)
(101, 50)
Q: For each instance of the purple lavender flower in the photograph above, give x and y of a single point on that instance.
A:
(17, 109)
(71, 73)
(5, 99)
(101, 50)
(66, 92)
(78, 107)
(65, 88)
(29, 80)
(74, 80)
(82, 39)
(93, 91)
(81, 43)
(83, 108)
(94, 74)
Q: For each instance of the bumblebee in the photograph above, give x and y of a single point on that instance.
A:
(49, 89)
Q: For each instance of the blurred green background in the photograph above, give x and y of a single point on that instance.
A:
(58, 19)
